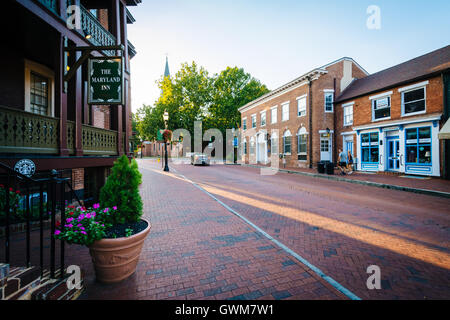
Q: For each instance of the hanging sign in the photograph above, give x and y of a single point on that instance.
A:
(105, 81)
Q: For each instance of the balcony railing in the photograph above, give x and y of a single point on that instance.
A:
(22, 132)
(99, 36)
(50, 4)
(99, 141)
(25, 132)
(91, 28)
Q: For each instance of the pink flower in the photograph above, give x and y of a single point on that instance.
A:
(115, 207)
(96, 205)
(83, 232)
(69, 220)
(57, 232)
(106, 210)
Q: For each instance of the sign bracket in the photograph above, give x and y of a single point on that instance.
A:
(87, 50)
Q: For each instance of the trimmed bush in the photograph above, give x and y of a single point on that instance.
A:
(122, 190)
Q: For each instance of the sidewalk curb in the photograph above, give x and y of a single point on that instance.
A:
(362, 182)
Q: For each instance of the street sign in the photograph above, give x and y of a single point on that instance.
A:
(105, 81)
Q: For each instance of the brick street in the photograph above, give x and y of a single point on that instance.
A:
(343, 228)
(198, 249)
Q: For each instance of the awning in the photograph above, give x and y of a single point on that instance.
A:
(445, 131)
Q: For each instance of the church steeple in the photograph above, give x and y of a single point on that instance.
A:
(166, 70)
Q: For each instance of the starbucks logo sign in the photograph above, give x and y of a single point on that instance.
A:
(25, 167)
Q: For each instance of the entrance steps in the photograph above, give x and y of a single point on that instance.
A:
(22, 283)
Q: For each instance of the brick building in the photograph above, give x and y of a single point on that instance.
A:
(390, 120)
(297, 120)
(47, 119)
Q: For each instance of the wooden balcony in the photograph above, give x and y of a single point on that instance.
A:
(90, 26)
(25, 132)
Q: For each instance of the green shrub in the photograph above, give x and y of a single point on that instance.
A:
(122, 190)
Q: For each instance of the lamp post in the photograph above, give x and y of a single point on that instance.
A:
(166, 118)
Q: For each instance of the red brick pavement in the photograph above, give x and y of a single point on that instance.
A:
(198, 250)
(342, 228)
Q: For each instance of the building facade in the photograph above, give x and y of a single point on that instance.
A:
(391, 119)
(46, 119)
(295, 123)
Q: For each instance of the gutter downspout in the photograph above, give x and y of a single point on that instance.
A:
(310, 122)
(334, 155)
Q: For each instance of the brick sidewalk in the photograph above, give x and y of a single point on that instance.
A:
(198, 250)
(409, 181)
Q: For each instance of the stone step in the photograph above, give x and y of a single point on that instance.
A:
(23, 283)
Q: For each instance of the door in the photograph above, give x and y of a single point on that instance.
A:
(393, 154)
(325, 148)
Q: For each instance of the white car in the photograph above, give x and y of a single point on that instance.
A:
(200, 159)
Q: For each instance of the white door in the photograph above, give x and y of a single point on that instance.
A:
(262, 148)
(325, 148)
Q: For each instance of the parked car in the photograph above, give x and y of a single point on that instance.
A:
(200, 159)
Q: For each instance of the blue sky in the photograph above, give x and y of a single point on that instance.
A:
(279, 40)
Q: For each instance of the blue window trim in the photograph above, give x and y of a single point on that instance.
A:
(419, 144)
(370, 147)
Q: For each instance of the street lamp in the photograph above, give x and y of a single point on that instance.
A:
(166, 118)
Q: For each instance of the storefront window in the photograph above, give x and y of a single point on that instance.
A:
(418, 145)
(370, 147)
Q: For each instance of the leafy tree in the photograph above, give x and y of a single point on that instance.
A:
(122, 190)
(232, 88)
(192, 95)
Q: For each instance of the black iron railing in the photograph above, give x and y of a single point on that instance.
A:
(25, 200)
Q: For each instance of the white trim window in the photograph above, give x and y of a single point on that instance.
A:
(39, 89)
(414, 101)
(348, 115)
(301, 106)
(274, 115)
(244, 123)
(287, 142)
(252, 146)
(285, 112)
(381, 108)
(263, 118)
(253, 120)
(302, 140)
(328, 100)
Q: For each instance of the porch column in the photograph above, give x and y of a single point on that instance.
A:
(119, 128)
(114, 20)
(78, 96)
(61, 95)
(62, 6)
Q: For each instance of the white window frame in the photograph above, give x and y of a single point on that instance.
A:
(325, 93)
(380, 97)
(244, 121)
(302, 98)
(261, 118)
(253, 116)
(302, 132)
(417, 86)
(30, 67)
(283, 105)
(285, 135)
(276, 114)
(345, 107)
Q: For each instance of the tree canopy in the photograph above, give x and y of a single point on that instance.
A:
(192, 94)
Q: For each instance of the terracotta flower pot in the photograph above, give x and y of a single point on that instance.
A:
(116, 259)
